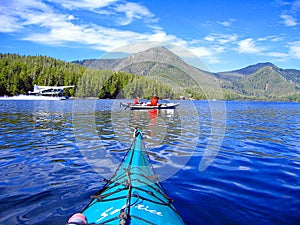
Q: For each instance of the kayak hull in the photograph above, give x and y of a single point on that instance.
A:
(146, 106)
(133, 195)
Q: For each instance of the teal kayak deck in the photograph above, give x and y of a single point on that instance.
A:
(133, 195)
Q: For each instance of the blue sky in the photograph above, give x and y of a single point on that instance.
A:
(224, 35)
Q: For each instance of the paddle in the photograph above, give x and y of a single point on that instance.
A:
(127, 106)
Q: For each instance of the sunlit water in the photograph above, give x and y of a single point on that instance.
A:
(236, 163)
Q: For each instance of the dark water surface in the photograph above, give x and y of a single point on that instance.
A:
(239, 164)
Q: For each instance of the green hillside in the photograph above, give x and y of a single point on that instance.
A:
(265, 84)
(163, 65)
(18, 74)
(262, 81)
(154, 71)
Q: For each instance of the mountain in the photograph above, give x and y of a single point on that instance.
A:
(266, 83)
(240, 73)
(253, 68)
(160, 63)
(102, 64)
(289, 74)
(262, 81)
(156, 70)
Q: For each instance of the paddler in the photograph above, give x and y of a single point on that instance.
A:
(136, 101)
(154, 101)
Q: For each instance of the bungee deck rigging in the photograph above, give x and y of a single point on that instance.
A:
(133, 195)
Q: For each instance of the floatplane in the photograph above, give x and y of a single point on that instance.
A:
(42, 93)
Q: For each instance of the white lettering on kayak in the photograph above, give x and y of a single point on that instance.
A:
(109, 212)
(146, 208)
(104, 214)
(112, 211)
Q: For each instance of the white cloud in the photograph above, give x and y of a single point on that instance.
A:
(48, 26)
(289, 20)
(133, 11)
(248, 46)
(281, 3)
(9, 24)
(219, 49)
(294, 49)
(226, 23)
(71, 17)
(289, 16)
(14, 16)
(227, 38)
(158, 37)
(201, 51)
(84, 4)
(272, 38)
(130, 10)
(210, 38)
(221, 38)
(96, 37)
(276, 54)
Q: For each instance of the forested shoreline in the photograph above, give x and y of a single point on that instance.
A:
(18, 74)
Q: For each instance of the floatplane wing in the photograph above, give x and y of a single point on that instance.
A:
(38, 89)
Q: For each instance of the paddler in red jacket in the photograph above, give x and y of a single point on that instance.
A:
(154, 101)
(136, 101)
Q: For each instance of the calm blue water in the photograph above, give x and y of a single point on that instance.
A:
(237, 164)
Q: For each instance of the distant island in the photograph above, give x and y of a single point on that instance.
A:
(154, 71)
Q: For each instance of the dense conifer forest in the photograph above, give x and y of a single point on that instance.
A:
(18, 74)
(264, 81)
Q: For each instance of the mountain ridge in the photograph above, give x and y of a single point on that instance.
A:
(258, 81)
(111, 63)
(154, 71)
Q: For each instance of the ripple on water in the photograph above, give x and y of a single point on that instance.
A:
(48, 153)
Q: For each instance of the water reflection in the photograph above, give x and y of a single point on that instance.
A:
(155, 124)
(104, 136)
(44, 179)
(170, 135)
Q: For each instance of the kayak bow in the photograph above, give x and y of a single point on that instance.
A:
(133, 195)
